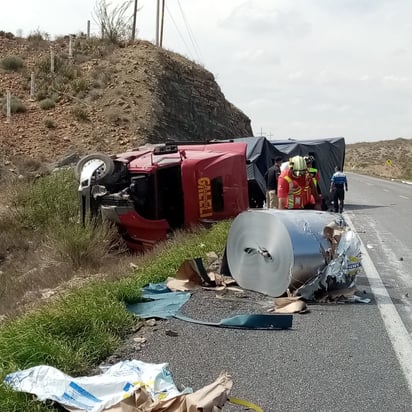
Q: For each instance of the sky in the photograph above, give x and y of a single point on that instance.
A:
(301, 69)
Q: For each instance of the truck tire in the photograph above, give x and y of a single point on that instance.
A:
(103, 172)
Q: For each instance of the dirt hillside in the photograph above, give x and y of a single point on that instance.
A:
(106, 98)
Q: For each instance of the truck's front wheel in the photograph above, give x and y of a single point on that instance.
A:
(102, 172)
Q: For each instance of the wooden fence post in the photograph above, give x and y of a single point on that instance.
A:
(8, 106)
(70, 46)
(88, 29)
(32, 87)
(51, 59)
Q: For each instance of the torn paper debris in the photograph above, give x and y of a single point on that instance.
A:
(100, 392)
(211, 398)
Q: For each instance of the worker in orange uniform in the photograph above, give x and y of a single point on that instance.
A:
(296, 187)
(310, 163)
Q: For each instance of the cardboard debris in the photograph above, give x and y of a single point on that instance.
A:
(210, 398)
(182, 285)
(192, 275)
(290, 304)
(332, 232)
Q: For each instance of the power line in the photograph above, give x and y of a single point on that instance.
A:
(177, 29)
(189, 31)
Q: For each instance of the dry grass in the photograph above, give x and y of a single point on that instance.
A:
(41, 244)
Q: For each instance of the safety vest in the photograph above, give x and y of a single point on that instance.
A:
(313, 173)
(297, 196)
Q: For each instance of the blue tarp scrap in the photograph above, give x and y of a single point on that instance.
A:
(165, 304)
(162, 302)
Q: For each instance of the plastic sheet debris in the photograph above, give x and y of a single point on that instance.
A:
(338, 279)
(249, 321)
(161, 302)
(100, 392)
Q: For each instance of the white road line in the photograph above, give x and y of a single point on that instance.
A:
(404, 197)
(397, 332)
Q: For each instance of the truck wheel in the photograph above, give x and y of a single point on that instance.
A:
(104, 171)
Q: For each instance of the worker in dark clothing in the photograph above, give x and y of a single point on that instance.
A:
(338, 185)
(271, 177)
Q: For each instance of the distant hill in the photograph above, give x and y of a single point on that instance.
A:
(385, 158)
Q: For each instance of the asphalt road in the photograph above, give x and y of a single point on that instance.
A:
(338, 357)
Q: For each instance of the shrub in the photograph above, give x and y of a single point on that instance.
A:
(115, 21)
(37, 36)
(80, 114)
(7, 35)
(80, 85)
(16, 105)
(47, 104)
(43, 66)
(67, 71)
(50, 124)
(28, 164)
(12, 63)
(95, 95)
(117, 117)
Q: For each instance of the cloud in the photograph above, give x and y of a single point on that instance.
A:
(257, 56)
(263, 18)
(351, 6)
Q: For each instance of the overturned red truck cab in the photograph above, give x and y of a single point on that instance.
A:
(154, 190)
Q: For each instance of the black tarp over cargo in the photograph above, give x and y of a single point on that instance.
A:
(260, 154)
(328, 153)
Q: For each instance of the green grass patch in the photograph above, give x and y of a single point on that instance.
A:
(49, 201)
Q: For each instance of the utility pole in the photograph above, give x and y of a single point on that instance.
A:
(157, 22)
(134, 20)
(162, 21)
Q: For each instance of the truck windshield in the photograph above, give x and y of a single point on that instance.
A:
(159, 195)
